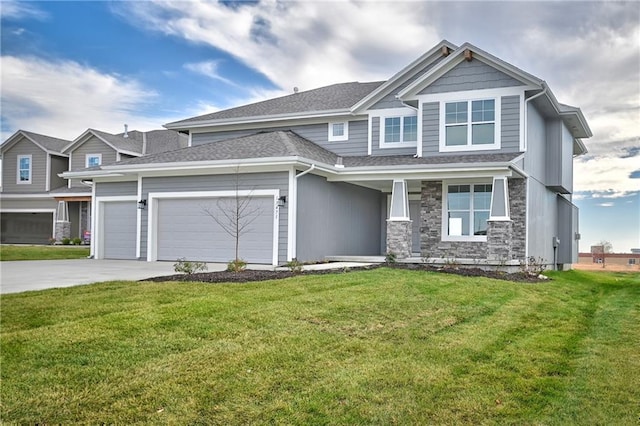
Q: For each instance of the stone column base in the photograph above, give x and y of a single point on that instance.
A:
(499, 239)
(63, 230)
(399, 238)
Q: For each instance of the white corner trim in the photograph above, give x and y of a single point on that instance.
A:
(139, 220)
(292, 205)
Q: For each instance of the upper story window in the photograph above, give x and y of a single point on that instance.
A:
(24, 169)
(401, 129)
(466, 211)
(92, 160)
(339, 131)
(470, 125)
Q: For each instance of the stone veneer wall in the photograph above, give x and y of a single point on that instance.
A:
(518, 213)
(399, 238)
(431, 244)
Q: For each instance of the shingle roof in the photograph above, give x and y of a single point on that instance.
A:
(259, 145)
(120, 142)
(409, 160)
(48, 142)
(328, 98)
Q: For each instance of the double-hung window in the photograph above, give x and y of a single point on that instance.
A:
(92, 160)
(467, 208)
(470, 125)
(24, 169)
(400, 129)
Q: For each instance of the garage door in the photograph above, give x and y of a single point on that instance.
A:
(186, 230)
(119, 236)
(26, 228)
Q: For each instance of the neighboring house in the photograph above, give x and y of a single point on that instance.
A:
(458, 157)
(628, 260)
(37, 204)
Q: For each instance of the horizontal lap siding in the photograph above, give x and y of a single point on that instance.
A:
(316, 133)
(10, 168)
(44, 203)
(510, 131)
(375, 142)
(114, 189)
(246, 181)
(473, 75)
(430, 128)
(92, 146)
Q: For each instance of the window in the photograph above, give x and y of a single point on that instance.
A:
(339, 131)
(24, 169)
(467, 210)
(92, 160)
(470, 124)
(400, 129)
(632, 261)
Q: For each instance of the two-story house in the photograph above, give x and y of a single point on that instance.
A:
(460, 157)
(37, 204)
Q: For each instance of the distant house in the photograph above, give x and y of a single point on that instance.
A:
(459, 156)
(629, 260)
(38, 205)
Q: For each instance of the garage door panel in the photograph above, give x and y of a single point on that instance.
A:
(186, 230)
(120, 229)
(26, 228)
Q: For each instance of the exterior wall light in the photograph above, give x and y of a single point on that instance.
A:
(142, 204)
(282, 201)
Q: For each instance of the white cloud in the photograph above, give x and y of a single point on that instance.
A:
(18, 10)
(64, 98)
(209, 69)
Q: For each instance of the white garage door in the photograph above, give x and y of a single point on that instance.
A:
(119, 235)
(186, 230)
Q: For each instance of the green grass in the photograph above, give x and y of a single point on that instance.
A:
(9, 252)
(383, 346)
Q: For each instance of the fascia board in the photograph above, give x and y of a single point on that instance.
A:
(255, 119)
(4, 196)
(135, 154)
(463, 173)
(15, 138)
(77, 141)
(456, 58)
(400, 77)
(423, 167)
(567, 111)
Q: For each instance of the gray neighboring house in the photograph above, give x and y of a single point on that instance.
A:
(460, 157)
(37, 204)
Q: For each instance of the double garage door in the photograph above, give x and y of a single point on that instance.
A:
(195, 229)
(26, 228)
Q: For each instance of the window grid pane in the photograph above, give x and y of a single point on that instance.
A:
(468, 206)
(410, 128)
(392, 129)
(338, 129)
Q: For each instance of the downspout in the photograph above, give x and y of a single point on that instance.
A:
(419, 121)
(293, 212)
(526, 146)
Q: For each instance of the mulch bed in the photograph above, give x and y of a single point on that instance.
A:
(253, 275)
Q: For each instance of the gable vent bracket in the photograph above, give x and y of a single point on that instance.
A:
(445, 51)
(468, 56)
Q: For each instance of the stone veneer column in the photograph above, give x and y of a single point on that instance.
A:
(63, 230)
(399, 238)
(499, 239)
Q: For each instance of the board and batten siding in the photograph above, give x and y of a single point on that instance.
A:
(10, 168)
(246, 181)
(93, 145)
(336, 218)
(316, 133)
(509, 128)
(473, 75)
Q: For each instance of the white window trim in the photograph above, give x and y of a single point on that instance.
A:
(395, 112)
(445, 227)
(24, 182)
(338, 138)
(469, 146)
(87, 156)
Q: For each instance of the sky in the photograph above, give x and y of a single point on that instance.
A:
(69, 66)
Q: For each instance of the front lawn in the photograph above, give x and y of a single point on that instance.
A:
(384, 346)
(9, 252)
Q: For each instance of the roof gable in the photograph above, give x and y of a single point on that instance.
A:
(123, 145)
(468, 52)
(47, 144)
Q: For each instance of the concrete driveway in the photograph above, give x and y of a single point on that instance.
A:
(30, 275)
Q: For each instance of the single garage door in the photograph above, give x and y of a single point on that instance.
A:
(186, 230)
(119, 236)
(26, 228)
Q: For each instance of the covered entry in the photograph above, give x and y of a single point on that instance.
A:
(186, 226)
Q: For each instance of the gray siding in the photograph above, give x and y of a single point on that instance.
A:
(543, 221)
(10, 168)
(92, 146)
(316, 133)
(567, 229)
(58, 165)
(113, 189)
(535, 158)
(336, 218)
(375, 142)
(474, 75)
(559, 149)
(45, 203)
(247, 181)
(509, 127)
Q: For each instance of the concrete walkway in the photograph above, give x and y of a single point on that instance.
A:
(19, 276)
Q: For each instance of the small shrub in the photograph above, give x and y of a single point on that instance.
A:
(295, 266)
(533, 265)
(52, 241)
(237, 265)
(77, 241)
(66, 241)
(183, 266)
(390, 258)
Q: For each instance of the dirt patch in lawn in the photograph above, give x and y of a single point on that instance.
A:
(250, 275)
